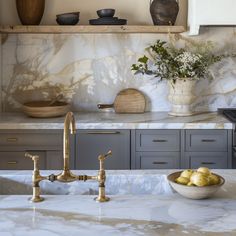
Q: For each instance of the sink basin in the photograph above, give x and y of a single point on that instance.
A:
(118, 182)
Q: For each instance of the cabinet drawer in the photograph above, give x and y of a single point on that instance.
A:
(30, 139)
(206, 140)
(157, 140)
(18, 161)
(210, 160)
(162, 160)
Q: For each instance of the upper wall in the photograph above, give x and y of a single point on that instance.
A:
(136, 11)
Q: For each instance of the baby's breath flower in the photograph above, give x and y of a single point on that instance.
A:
(173, 63)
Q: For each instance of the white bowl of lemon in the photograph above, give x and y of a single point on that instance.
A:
(196, 184)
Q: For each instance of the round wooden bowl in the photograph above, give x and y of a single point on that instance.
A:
(42, 109)
(194, 192)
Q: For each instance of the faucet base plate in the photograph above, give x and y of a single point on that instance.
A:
(36, 199)
(101, 199)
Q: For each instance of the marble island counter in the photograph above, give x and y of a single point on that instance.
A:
(142, 203)
(109, 120)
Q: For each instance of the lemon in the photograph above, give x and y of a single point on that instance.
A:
(187, 174)
(190, 184)
(213, 179)
(199, 179)
(182, 180)
(204, 170)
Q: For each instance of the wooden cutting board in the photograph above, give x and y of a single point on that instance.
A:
(127, 101)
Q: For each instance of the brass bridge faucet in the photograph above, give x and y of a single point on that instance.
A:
(66, 175)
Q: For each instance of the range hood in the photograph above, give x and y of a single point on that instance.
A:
(210, 12)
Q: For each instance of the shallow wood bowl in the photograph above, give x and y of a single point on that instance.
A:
(42, 109)
(194, 192)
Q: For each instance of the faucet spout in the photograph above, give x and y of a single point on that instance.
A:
(69, 127)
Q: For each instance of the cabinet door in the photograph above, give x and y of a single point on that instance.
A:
(212, 160)
(55, 160)
(157, 160)
(18, 161)
(234, 159)
(157, 140)
(206, 140)
(90, 144)
(12, 140)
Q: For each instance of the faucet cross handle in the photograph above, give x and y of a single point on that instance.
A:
(104, 156)
(35, 159)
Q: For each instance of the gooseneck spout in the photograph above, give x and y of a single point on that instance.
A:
(69, 127)
(69, 124)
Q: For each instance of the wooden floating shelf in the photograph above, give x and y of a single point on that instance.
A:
(90, 29)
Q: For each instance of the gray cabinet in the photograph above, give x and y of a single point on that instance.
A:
(206, 140)
(47, 144)
(91, 143)
(157, 140)
(209, 148)
(18, 161)
(234, 158)
(157, 160)
(156, 149)
(136, 149)
(212, 160)
(170, 149)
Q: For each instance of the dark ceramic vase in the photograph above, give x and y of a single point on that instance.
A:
(164, 12)
(30, 12)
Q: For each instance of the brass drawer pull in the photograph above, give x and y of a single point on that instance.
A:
(159, 163)
(208, 140)
(103, 132)
(12, 140)
(208, 163)
(12, 162)
(159, 141)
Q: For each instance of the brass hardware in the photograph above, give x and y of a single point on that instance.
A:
(208, 163)
(159, 141)
(159, 163)
(12, 162)
(66, 175)
(208, 140)
(12, 140)
(103, 132)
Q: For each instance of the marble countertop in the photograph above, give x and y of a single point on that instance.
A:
(166, 213)
(109, 120)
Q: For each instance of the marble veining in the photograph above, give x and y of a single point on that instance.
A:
(136, 214)
(90, 69)
(110, 120)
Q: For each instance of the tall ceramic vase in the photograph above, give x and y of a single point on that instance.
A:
(164, 12)
(30, 12)
(181, 96)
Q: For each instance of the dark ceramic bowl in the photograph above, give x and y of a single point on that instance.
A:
(71, 18)
(106, 12)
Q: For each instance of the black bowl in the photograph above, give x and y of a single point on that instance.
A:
(68, 18)
(106, 12)
(69, 14)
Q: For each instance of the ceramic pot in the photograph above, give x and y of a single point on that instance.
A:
(30, 12)
(164, 12)
(181, 96)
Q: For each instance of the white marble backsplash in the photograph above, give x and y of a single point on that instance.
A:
(90, 69)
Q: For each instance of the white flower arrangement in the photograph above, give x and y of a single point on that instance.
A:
(170, 63)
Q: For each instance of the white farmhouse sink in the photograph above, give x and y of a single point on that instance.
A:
(118, 182)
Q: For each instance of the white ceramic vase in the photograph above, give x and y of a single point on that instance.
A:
(181, 96)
